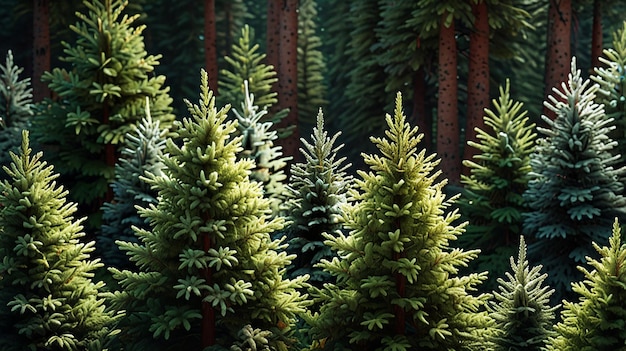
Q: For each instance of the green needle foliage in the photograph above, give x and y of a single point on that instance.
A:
(258, 145)
(101, 99)
(574, 192)
(317, 192)
(16, 108)
(48, 299)
(492, 198)
(597, 320)
(521, 309)
(141, 155)
(397, 284)
(209, 245)
(612, 92)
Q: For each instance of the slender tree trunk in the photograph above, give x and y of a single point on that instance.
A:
(558, 50)
(448, 138)
(420, 118)
(41, 48)
(210, 44)
(288, 76)
(273, 33)
(596, 34)
(478, 77)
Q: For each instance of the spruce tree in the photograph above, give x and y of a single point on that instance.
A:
(521, 308)
(573, 192)
(102, 98)
(142, 154)
(48, 298)
(492, 199)
(207, 267)
(397, 286)
(317, 192)
(596, 321)
(16, 108)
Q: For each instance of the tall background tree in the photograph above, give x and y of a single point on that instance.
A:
(558, 52)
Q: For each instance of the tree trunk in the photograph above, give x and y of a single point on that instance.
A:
(596, 34)
(420, 118)
(447, 105)
(558, 50)
(273, 33)
(41, 48)
(478, 77)
(210, 44)
(288, 76)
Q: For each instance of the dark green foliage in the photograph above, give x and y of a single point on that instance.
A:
(597, 320)
(492, 199)
(100, 100)
(15, 108)
(210, 241)
(574, 192)
(521, 310)
(257, 142)
(141, 155)
(397, 284)
(311, 64)
(317, 191)
(48, 299)
(612, 92)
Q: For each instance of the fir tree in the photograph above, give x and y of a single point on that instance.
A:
(596, 321)
(101, 99)
(15, 108)
(492, 199)
(142, 154)
(317, 191)
(574, 191)
(48, 299)
(208, 266)
(521, 309)
(258, 145)
(397, 286)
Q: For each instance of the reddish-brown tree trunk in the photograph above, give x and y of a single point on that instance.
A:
(558, 50)
(448, 138)
(41, 48)
(422, 120)
(273, 33)
(210, 44)
(288, 76)
(596, 34)
(478, 77)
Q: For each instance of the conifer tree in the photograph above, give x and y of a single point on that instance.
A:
(573, 192)
(612, 92)
(492, 199)
(208, 266)
(521, 308)
(596, 321)
(317, 191)
(102, 98)
(48, 298)
(142, 154)
(16, 108)
(397, 286)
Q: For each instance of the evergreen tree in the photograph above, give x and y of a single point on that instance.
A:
(596, 321)
(492, 199)
(16, 108)
(397, 286)
(521, 309)
(101, 99)
(311, 65)
(258, 145)
(573, 192)
(208, 267)
(48, 298)
(612, 92)
(142, 154)
(317, 191)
